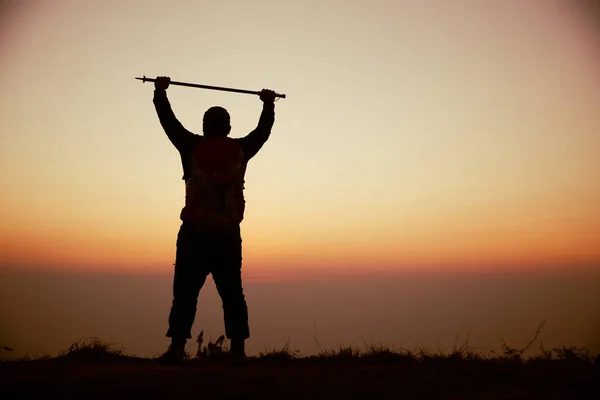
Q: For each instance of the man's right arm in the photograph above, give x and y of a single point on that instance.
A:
(254, 141)
(177, 134)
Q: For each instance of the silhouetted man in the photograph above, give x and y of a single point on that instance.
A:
(209, 240)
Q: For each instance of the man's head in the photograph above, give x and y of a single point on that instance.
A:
(216, 122)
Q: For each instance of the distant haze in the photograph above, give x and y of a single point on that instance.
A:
(50, 311)
(416, 135)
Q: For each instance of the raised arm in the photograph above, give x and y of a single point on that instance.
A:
(253, 142)
(177, 134)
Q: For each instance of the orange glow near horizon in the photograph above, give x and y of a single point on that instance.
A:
(412, 138)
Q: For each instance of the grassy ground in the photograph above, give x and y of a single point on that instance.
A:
(92, 369)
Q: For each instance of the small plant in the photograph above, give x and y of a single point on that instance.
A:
(545, 355)
(573, 354)
(465, 351)
(94, 349)
(426, 355)
(513, 354)
(283, 354)
(37, 355)
(342, 353)
(380, 353)
(210, 349)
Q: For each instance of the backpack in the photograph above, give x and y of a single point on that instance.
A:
(214, 194)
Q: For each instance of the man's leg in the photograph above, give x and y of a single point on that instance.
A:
(227, 274)
(190, 274)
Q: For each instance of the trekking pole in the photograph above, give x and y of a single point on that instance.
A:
(195, 85)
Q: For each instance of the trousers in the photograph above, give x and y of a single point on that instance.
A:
(197, 256)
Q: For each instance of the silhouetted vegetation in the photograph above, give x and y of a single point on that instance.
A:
(95, 369)
(286, 353)
(214, 349)
(92, 349)
(95, 349)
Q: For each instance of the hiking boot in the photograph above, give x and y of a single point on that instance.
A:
(175, 355)
(238, 353)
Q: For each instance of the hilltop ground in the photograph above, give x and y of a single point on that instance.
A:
(95, 371)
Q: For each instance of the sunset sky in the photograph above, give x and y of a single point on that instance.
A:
(417, 135)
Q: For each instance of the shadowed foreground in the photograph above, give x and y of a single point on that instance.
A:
(100, 373)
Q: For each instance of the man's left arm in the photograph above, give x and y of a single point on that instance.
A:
(254, 141)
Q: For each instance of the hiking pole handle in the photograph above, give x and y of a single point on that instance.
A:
(195, 85)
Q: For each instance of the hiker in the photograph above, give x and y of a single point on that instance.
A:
(209, 239)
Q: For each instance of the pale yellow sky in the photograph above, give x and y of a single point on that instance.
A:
(415, 133)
